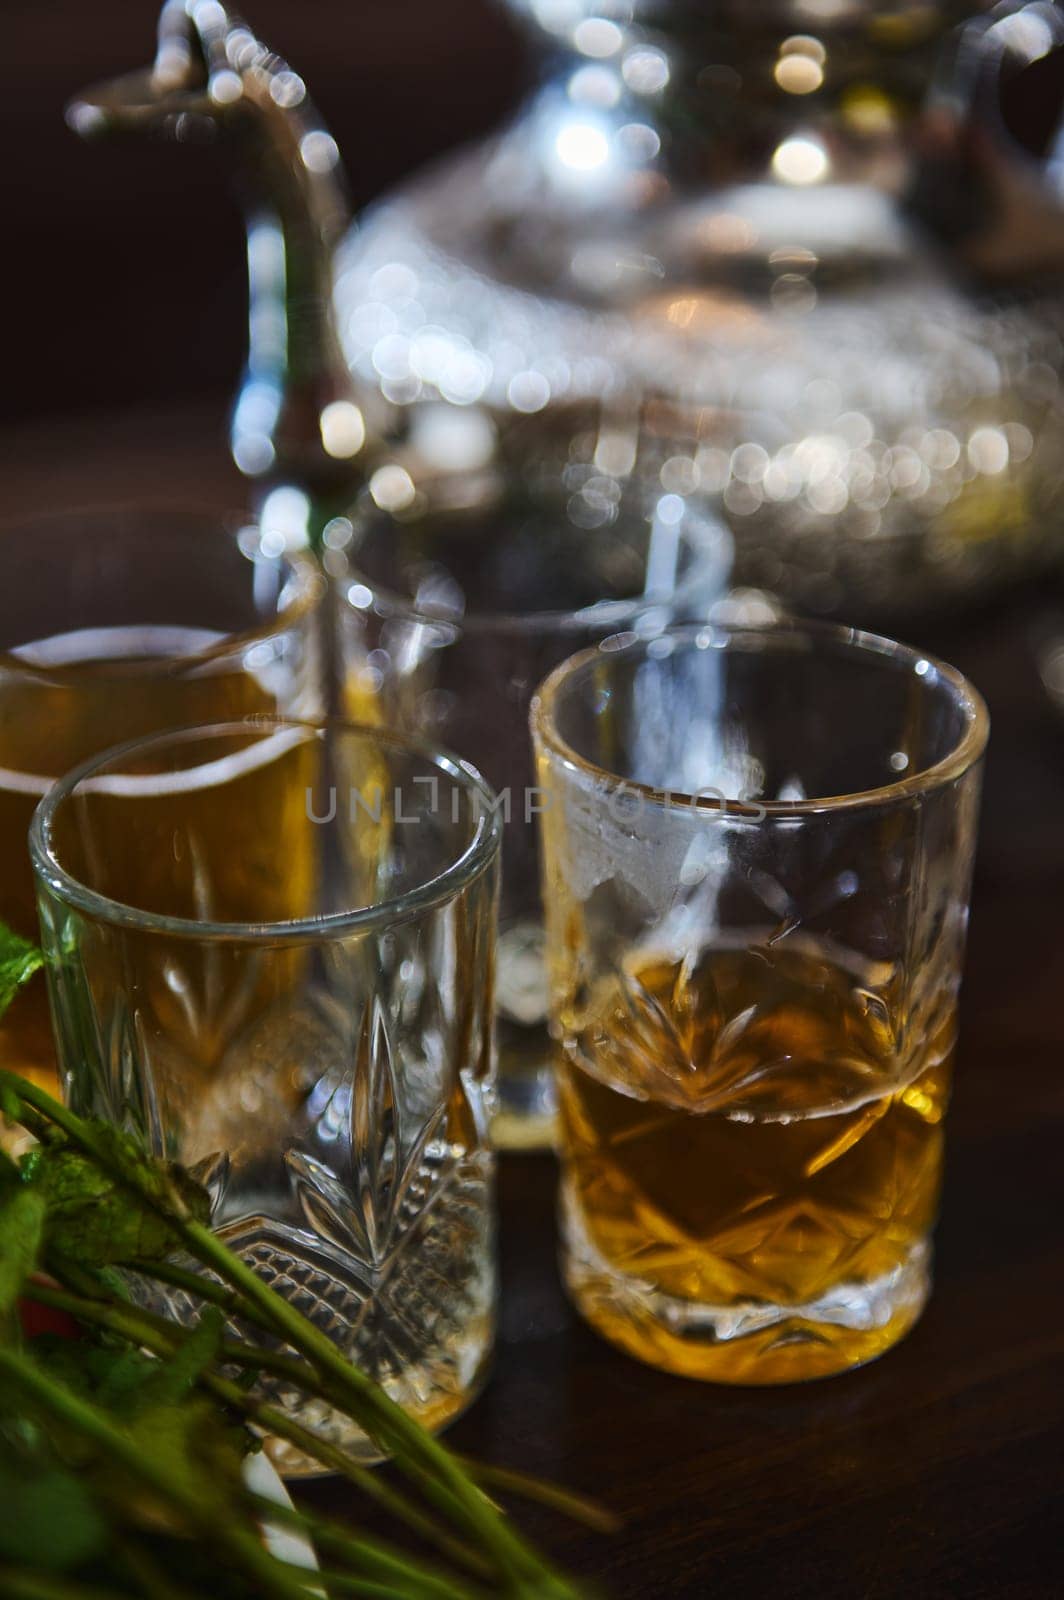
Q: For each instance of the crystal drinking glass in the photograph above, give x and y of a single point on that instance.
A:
(757, 853)
(447, 623)
(125, 622)
(269, 951)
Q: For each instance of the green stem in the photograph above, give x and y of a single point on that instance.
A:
(194, 1283)
(417, 1453)
(133, 1322)
(385, 1421)
(374, 1558)
(162, 1338)
(127, 1321)
(345, 1583)
(69, 1409)
(40, 1127)
(578, 1507)
(270, 1420)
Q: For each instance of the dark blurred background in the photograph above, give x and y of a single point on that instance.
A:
(124, 260)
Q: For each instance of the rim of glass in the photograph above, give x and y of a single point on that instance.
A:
(467, 865)
(601, 614)
(308, 591)
(785, 636)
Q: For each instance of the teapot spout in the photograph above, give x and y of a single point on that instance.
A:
(296, 417)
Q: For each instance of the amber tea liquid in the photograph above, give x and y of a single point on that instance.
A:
(753, 1164)
(78, 694)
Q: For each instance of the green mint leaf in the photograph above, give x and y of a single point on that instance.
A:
(49, 1523)
(198, 1448)
(28, 1165)
(10, 1175)
(111, 1375)
(165, 1182)
(175, 1378)
(19, 960)
(136, 1388)
(22, 1218)
(94, 1219)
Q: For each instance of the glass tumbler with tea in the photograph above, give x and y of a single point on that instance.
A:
(757, 852)
(269, 948)
(124, 622)
(447, 621)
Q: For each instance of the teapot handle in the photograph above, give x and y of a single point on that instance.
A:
(212, 77)
(997, 197)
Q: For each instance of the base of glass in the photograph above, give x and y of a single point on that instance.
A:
(747, 1343)
(420, 1320)
(440, 1410)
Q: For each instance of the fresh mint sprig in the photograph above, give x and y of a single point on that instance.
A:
(141, 1427)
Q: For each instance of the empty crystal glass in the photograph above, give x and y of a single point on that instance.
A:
(270, 949)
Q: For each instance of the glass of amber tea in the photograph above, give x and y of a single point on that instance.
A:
(447, 621)
(124, 622)
(269, 948)
(757, 852)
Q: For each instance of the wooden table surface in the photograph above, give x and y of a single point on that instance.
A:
(936, 1473)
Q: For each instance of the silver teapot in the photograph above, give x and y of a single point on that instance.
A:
(804, 256)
